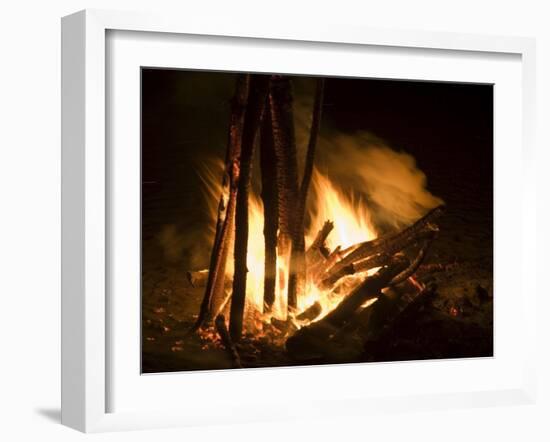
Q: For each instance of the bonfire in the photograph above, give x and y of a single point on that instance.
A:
(297, 270)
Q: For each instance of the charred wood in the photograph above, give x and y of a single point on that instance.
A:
(354, 268)
(367, 290)
(227, 341)
(226, 208)
(280, 106)
(271, 211)
(317, 250)
(280, 101)
(319, 271)
(388, 245)
(392, 241)
(392, 247)
(298, 263)
(310, 313)
(254, 110)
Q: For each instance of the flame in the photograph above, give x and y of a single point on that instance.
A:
(352, 225)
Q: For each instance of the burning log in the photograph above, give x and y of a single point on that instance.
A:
(298, 264)
(320, 269)
(227, 341)
(310, 313)
(271, 210)
(351, 269)
(310, 340)
(317, 250)
(280, 106)
(214, 293)
(388, 244)
(310, 154)
(280, 101)
(254, 110)
(369, 289)
(378, 245)
(334, 275)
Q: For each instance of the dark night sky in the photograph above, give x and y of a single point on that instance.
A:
(447, 127)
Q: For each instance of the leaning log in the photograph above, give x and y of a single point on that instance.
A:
(227, 341)
(391, 243)
(369, 289)
(392, 247)
(271, 211)
(354, 268)
(254, 110)
(282, 120)
(310, 313)
(317, 250)
(214, 291)
(298, 263)
(280, 102)
(378, 245)
(318, 272)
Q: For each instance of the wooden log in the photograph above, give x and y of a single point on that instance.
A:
(312, 144)
(214, 292)
(367, 290)
(389, 244)
(379, 245)
(310, 313)
(317, 250)
(227, 341)
(280, 101)
(413, 267)
(298, 263)
(354, 268)
(280, 106)
(254, 110)
(317, 273)
(322, 235)
(391, 247)
(271, 211)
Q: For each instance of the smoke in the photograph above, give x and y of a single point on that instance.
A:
(366, 167)
(188, 248)
(394, 187)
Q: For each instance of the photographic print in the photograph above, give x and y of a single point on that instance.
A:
(298, 220)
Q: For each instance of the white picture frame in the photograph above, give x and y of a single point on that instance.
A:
(85, 307)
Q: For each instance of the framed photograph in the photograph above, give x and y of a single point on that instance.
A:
(262, 223)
